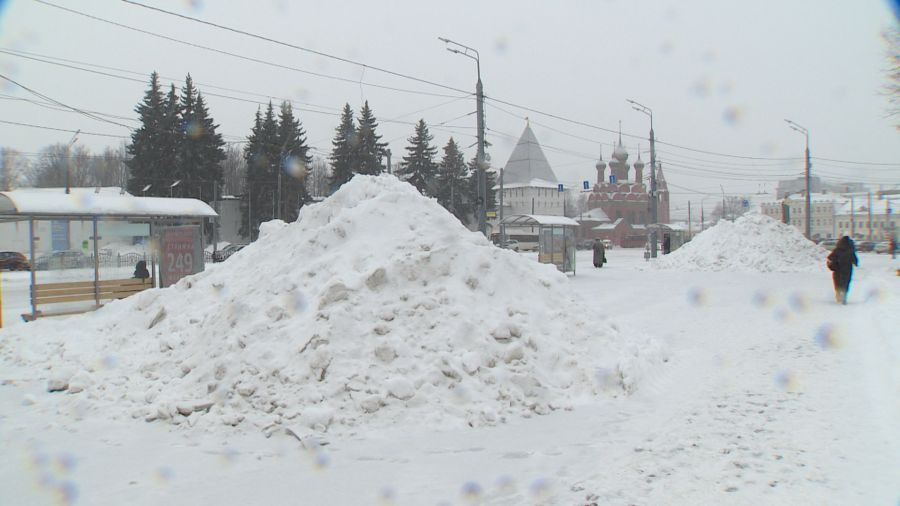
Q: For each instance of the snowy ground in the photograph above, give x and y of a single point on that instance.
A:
(773, 394)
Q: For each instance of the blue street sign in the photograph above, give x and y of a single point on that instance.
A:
(612, 178)
(586, 185)
(559, 188)
(746, 203)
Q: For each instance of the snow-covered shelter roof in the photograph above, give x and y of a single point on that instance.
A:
(530, 220)
(527, 161)
(102, 202)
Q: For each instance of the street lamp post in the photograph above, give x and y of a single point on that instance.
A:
(172, 187)
(805, 132)
(654, 217)
(469, 52)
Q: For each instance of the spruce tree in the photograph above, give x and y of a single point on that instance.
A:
(144, 147)
(211, 147)
(490, 180)
(169, 144)
(369, 150)
(295, 161)
(343, 147)
(452, 183)
(418, 167)
(263, 158)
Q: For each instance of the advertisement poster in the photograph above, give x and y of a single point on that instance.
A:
(179, 254)
(59, 235)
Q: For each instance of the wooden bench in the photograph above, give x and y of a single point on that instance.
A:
(76, 291)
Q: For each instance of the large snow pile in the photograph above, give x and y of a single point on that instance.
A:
(752, 243)
(376, 306)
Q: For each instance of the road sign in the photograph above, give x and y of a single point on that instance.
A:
(586, 185)
(559, 187)
(612, 178)
(746, 203)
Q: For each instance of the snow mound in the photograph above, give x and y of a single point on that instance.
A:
(376, 306)
(752, 243)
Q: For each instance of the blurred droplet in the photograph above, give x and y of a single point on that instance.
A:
(606, 377)
(66, 462)
(827, 337)
(762, 299)
(786, 380)
(295, 167)
(799, 302)
(164, 474)
(732, 116)
(68, 492)
(506, 484)
(387, 496)
(194, 129)
(876, 295)
(229, 455)
(196, 5)
(666, 48)
(783, 315)
(109, 362)
(696, 297)
(471, 491)
(322, 460)
(501, 45)
(701, 87)
(294, 302)
(540, 488)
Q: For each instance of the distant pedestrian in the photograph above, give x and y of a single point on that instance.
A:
(599, 253)
(841, 261)
(893, 246)
(140, 270)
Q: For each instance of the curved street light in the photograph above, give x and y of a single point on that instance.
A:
(799, 128)
(654, 208)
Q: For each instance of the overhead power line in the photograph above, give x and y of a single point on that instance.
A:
(355, 82)
(80, 132)
(57, 102)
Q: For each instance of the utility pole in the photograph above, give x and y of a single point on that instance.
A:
(502, 226)
(653, 196)
(869, 235)
(723, 202)
(852, 217)
(479, 108)
(387, 153)
(69, 159)
(690, 227)
(805, 132)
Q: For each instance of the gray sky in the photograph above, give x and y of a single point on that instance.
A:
(720, 76)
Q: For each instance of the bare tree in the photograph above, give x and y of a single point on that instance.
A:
(14, 169)
(734, 207)
(233, 169)
(317, 178)
(891, 38)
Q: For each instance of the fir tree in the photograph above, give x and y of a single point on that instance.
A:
(343, 147)
(144, 148)
(418, 167)
(452, 183)
(169, 144)
(201, 148)
(490, 181)
(295, 161)
(366, 157)
(263, 158)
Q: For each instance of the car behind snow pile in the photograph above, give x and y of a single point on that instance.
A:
(13, 261)
(223, 254)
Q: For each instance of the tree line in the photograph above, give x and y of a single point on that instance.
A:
(177, 151)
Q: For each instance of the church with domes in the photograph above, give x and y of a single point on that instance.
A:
(624, 197)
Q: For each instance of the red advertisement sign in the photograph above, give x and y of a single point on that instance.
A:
(178, 257)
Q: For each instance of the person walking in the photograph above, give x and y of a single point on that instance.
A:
(841, 261)
(599, 253)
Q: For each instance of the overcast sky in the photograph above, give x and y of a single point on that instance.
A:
(720, 76)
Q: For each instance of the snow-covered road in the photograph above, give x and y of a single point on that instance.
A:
(772, 394)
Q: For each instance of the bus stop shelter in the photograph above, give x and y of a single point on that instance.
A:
(556, 237)
(174, 227)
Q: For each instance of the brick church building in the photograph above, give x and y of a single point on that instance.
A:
(624, 198)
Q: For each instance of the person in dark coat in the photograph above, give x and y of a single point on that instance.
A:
(841, 261)
(140, 270)
(599, 253)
